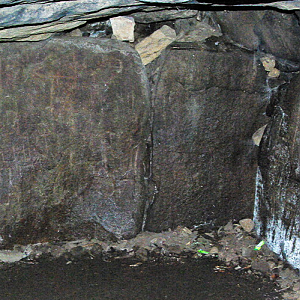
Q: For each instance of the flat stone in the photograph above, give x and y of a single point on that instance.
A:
(174, 249)
(157, 14)
(248, 252)
(200, 32)
(261, 266)
(74, 117)
(37, 33)
(152, 46)
(7, 256)
(214, 250)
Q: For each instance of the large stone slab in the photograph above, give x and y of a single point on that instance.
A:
(208, 102)
(277, 207)
(74, 120)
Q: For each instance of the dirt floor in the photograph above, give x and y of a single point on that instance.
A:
(231, 250)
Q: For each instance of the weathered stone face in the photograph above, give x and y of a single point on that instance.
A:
(207, 104)
(277, 213)
(268, 31)
(239, 26)
(74, 120)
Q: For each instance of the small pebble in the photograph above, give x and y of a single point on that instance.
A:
(214, 250)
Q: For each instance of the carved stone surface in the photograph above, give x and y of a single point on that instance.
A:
(207, 104)
(74, 120)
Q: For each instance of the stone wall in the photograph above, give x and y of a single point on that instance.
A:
(96, 145)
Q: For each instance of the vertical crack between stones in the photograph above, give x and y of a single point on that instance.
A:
(152, 189)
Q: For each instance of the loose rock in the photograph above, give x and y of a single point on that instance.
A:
(247, 224)
(235, 251)
(123, 28)
(257, 135)
(152, 46)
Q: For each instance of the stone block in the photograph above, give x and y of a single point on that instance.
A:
(207, 104)
(74, 120)
(239, 26)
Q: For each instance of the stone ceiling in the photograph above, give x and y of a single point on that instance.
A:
(36, 20)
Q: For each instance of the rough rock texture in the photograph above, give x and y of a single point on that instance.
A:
(74, 120)
(268, 31)
(277, 214)
(239, 26)
(236, 249)
(162, 14)
(208, 101)
(36, 19)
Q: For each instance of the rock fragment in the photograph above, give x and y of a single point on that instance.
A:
(123, 28)
(152, 46)
(261, 266)
(247, 224)
(269, 63)
(257, 135)
(200, 32)
(7, 256)
(228, 227)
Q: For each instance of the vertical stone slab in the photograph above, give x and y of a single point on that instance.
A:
(277, 207)
(74, 120)
(207, 104)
